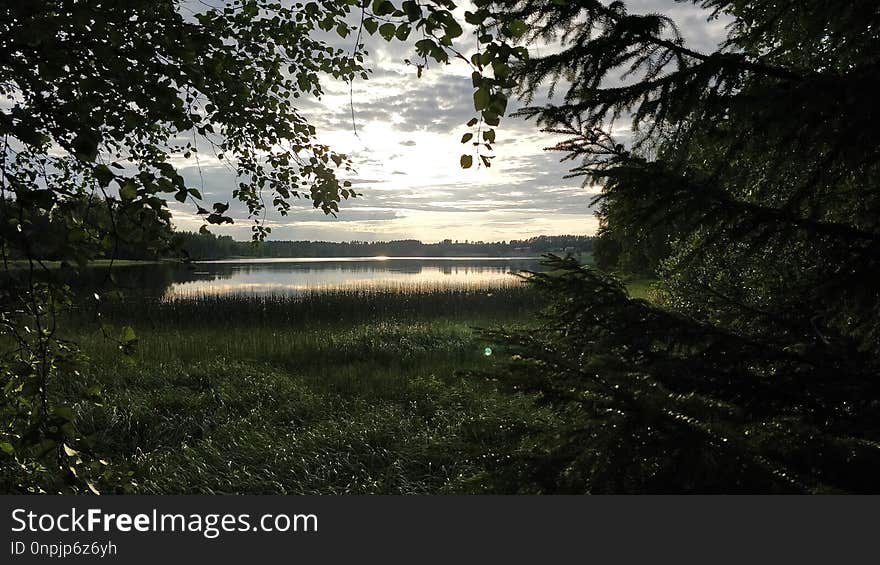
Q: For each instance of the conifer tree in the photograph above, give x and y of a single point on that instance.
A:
(756, 366)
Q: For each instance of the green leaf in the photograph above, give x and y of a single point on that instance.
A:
(371, 25)
(402, 32)
(103, 175)
(424, 47)
(412, 9)
(7, 448)
(467, 137)
(85, 146)
(501, 69)
(127, 335)
(383, 7)
(517, 28)
(128, 191)
(220, 207)
(499, 104)
(476, 18)
(491, 118)
(481, 99)
(466, 161)
(453, 29)
(387, 31)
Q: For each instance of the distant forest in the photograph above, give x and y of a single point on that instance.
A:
(197, 246)
(131, 232)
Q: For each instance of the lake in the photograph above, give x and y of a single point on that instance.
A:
(292, 276)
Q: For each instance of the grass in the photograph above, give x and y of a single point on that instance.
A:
(326, 307)
(585, 258)
(345, 393)
(333, 392)
(640, 286)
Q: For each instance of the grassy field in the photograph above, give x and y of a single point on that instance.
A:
(331, 392)
(640, 286)
(334, 393)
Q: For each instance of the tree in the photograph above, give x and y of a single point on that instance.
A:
(103, 98)
(757, 369)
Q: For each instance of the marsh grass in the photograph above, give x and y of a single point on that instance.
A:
(339, 392)
(332, 307)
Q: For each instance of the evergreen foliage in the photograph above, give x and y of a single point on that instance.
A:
(756, 369)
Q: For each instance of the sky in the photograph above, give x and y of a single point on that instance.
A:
(406, 155)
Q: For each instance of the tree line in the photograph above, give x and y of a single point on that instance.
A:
(201, 246)
(129, 237)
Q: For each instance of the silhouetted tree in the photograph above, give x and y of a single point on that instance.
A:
(105, 99)
(757, 367)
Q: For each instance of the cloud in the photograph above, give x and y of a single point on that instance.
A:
(407, 149)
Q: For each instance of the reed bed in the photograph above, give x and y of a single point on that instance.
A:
(339, 391)
(317, 307)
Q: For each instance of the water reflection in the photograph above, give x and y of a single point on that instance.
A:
(297, 276)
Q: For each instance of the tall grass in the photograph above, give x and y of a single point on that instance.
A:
(323, 307)
(332, 392)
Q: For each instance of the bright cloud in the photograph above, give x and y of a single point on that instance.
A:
(406, 153)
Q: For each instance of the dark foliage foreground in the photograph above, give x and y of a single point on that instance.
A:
(749, 183)
(654, 401)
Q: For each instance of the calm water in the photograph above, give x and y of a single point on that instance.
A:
(297, 276)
